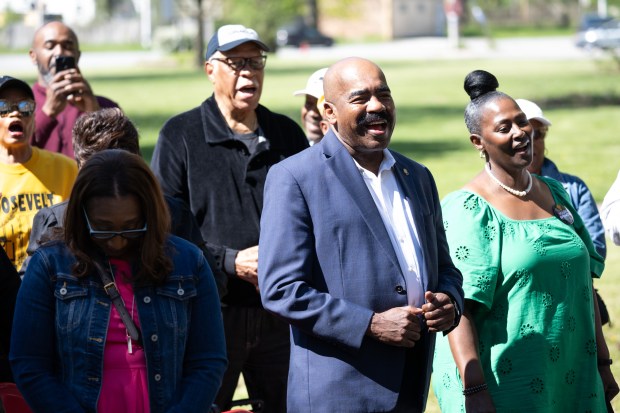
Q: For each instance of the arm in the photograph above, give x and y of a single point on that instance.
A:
(205, 353)
(588, 211)
(463, 344)
(286, 268)
(44, 125)
(9, 286)
(610, 211)
(184, 225)
(609, 382)
(169, 163)
(33, 351)
(69, 87)
(43, 220)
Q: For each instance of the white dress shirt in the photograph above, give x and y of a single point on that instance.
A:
(398, 220)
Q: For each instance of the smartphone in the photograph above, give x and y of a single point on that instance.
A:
(64, 63)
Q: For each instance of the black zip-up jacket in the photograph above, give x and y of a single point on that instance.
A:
(197, 159)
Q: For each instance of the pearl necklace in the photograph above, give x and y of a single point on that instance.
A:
(506, 187)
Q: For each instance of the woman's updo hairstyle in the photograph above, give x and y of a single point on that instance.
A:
(481, 86)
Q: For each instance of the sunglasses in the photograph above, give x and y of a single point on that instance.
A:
(25, 107)
(239, 63)
(104, 235)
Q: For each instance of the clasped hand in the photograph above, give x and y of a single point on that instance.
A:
(402, 326)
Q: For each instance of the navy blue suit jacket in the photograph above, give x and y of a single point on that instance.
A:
(326, 264)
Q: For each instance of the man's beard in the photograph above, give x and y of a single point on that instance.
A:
(45, 73)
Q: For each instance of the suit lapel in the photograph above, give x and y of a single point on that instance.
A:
(342, 164)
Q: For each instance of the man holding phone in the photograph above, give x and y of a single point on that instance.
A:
(61, 93)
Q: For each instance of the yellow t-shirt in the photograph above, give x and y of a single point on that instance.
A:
(44, 180)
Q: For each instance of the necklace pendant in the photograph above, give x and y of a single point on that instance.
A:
(563, 214)
(129, 345)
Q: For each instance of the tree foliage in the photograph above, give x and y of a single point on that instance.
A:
(264, 16)
(347, 9)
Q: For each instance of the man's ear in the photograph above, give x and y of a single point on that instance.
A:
(330, 113)
(209, 70)
(33, 56)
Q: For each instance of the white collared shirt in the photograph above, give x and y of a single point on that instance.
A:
(397, 217)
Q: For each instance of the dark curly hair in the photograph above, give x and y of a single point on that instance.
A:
(103, 129)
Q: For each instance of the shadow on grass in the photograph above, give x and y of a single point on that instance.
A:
(422, 150)
(580, 100)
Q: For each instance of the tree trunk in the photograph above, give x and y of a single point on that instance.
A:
(312, 19)
(200, 37)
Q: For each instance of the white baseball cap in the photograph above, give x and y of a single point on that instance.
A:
(314, 86)
(230, 36)
(532, 111)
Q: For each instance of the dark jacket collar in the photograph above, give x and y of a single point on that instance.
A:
(215, 126)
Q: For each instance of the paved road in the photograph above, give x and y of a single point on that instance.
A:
(414, 48)
(16, 64)
(440, 48)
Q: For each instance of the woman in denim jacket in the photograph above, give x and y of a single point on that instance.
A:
(72, 351)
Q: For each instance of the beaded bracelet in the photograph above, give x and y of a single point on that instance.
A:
(605, 362)
(475, 389)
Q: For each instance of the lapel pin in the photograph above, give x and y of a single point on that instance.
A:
(405, 171)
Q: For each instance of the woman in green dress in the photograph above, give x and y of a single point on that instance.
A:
(530, 338)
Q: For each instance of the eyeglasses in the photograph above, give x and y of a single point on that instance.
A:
(239, 63)
(103, 235)
(25, 107)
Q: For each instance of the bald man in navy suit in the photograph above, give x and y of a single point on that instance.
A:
(353, 255)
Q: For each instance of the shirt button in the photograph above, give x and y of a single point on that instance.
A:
(147, 299)
(180, 291)
(157, 377)
(63, 291)
(154, 337)
(400, 290)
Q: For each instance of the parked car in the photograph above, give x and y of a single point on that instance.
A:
(598, 31)
(606, 36)
(301, 35)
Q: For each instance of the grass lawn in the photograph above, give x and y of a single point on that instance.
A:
(582, 98)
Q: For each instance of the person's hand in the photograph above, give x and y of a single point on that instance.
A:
(69, 86)
(480, 402)
(398, 326)
(438, 311)
(609, 382)
(246, 265)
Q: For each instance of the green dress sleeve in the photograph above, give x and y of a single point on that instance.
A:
(474, 237)
(597, 263)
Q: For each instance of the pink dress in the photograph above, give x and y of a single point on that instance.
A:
(125, 386)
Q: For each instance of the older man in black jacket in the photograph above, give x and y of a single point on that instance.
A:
(215, 157)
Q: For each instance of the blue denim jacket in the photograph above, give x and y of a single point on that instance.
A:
(61, 323)
(582, 201)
